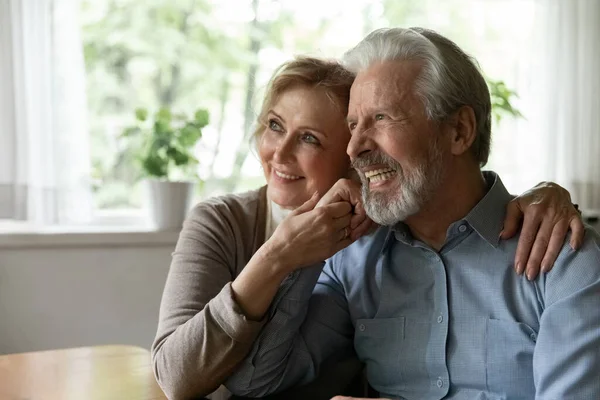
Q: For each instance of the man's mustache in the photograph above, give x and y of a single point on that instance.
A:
(373, 158)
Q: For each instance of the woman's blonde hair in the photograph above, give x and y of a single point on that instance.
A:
(310, 72)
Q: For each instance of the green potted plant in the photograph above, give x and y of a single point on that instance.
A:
(163, 144)
(502, 97)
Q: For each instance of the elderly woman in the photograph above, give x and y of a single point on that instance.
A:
(216, 299)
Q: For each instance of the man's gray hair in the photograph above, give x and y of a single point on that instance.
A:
(450, 78)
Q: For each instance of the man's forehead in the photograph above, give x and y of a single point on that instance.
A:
(373, 87)
(381, 75)
(369, 86)
(366, 87)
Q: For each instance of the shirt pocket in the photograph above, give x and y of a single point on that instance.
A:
(509, 358)
(378, 343)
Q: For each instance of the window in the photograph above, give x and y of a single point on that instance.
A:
(219, 54)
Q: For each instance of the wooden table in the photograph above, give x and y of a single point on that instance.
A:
(87, 373)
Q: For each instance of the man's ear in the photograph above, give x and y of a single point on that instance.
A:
(462, 128)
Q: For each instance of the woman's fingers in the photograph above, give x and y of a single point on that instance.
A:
(577, 231)
(359, 216)
(531, 224)
(343, 233)
(538, 250)
(512, 221)
(342, 190)
(337, 210)
(542, 237)
(342, 223)
(555, 245)
(308, 204)
(362, 229)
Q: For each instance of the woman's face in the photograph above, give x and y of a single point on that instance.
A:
(303, 147)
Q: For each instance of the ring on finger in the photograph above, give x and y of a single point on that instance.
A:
(346, 233)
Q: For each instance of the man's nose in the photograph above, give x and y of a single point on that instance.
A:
(360, 142)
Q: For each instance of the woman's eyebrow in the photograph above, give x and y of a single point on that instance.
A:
(310, 128)
(275, 114)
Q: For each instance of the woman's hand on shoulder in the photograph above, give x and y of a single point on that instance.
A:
(547, 214)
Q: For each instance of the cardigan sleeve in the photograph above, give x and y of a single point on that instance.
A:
(202, 333)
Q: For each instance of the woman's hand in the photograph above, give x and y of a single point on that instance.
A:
(350, 191)
(310, 234)
(547, 213)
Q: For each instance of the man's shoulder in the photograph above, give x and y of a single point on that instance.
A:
(574, 270)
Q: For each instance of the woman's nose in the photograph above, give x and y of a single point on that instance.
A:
(284, 150)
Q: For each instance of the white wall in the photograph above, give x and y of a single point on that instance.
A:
(57, 295)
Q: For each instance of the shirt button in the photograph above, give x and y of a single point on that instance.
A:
(440, 319)
(361, 327)
(462, 228)
(440, 382)
(533, 337)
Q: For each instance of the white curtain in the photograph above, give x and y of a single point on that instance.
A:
(561, 138)
(44, 147)
(574, 27)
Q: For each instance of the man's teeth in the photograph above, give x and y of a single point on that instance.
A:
(285, 176)
(381, 177)
(380, 174)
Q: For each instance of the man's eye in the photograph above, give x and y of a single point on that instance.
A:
(352, 126)
(379, 117)
(274, 125)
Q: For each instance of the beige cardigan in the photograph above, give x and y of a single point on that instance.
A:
(202, 333)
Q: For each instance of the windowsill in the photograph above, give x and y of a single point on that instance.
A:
(19, 235)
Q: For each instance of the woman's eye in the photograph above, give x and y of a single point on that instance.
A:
(379, 117)
(310, 138)
(274, 126)
(352, 126)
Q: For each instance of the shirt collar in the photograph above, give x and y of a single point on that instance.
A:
(486, 218)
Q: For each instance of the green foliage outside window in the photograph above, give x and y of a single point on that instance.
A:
(502, 100)
(164, 143)
(176, 54)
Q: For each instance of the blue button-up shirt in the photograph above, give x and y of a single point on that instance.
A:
(458, 323)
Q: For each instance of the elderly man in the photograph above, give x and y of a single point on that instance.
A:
(430, 301)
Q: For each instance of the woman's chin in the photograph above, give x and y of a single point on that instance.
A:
(284, 201)
(287, 205)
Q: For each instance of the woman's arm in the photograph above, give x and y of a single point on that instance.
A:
(202, 334)
(207, 324)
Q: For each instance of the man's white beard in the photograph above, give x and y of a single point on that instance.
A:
(414, 189)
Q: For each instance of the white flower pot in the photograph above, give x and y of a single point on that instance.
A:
(168, 203)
